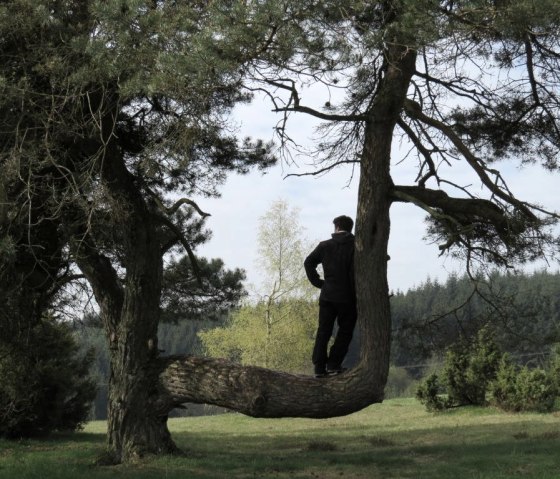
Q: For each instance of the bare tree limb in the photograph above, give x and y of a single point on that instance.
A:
(294, 100)
(413, 110)
(181, 237)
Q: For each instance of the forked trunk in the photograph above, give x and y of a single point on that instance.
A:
(136, 424)
(144, 388)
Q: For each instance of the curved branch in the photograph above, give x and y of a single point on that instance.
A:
(413, 110)
(173, 209)
(260, 392)
(181, 237)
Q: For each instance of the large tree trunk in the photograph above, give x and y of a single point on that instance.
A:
(262, 393)
(135, 427)
(372, 220)
(144, 388)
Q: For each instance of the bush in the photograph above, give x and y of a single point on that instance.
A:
(469, 368)
(522, 389)
(428, 393)
(44, 383)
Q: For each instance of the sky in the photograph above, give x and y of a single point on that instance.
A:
(244, 199)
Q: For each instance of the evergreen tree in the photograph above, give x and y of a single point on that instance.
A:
(45, 383)
(522, 309)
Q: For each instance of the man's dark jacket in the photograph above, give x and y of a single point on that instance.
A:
(337, 257)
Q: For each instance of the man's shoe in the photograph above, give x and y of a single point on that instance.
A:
(331, 371)
(321, 375)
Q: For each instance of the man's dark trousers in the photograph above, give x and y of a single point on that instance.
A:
(329, 312)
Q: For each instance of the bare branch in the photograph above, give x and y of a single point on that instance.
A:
(322, 116)
(181, 237)
(413, 111)
(294, 99)
(323, 170)
(425, 153)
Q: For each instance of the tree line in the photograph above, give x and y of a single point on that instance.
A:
(522, 309)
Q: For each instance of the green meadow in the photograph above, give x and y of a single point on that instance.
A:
(396, 439)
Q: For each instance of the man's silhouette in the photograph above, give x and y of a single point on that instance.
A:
(337, 301)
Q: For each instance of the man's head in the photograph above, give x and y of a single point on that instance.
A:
(343, 223)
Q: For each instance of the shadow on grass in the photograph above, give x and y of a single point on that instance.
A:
(524, 449)
(445, 452)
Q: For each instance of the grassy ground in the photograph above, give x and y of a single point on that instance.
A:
(396, 439)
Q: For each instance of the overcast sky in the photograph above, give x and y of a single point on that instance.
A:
(244, 199)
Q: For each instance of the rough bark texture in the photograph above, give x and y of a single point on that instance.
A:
(262, 393)
(144, 388)
(130, 309)
(373, 223)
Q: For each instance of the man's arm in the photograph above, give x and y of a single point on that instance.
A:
(310, 264)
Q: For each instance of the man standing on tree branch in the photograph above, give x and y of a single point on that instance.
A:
(337, 300)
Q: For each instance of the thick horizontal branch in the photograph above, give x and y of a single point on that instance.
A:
(260, 392)
(414, 111)
(321, 115)
(454, 207)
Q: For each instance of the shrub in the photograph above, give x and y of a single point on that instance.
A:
(469, 368)
(428, 393)
(522, 389)
(44, 383)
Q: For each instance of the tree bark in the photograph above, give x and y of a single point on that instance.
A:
(144, 388)
(263, 393)
(372, 220)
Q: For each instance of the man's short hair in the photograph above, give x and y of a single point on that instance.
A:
(344, 223)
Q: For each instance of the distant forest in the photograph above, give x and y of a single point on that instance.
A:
(523, 310)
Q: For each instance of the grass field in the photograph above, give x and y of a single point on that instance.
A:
(396, 439)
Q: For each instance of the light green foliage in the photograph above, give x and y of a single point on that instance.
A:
(281, 251)
(277, 331)
(277, 336)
